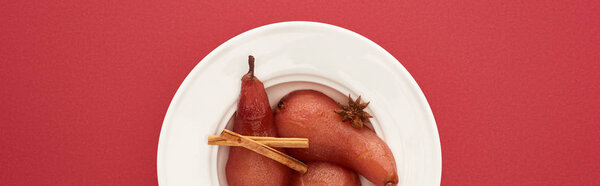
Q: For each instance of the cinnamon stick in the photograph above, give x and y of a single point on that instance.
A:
(264, 150)
(268, 141)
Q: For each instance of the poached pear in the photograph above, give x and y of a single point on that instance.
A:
(254, 117)
(313, 115)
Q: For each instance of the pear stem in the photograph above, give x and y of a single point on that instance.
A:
(251, 66)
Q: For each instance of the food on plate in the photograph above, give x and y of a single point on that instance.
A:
(254, 117)
(335, 135)
(340, 145)
(324, 174)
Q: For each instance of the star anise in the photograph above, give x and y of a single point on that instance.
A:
(354, 113)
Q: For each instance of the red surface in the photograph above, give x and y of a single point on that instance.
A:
(513, 85)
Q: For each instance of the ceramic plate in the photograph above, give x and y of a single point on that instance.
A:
(291, 56)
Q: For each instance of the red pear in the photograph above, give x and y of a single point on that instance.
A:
(254, 118)
(324, 174)
(313, 115)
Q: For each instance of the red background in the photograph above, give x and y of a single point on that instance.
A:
(514, 85)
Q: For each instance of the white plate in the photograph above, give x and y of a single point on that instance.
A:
(290, 56)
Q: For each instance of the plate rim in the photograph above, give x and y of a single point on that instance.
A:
(398, 66)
